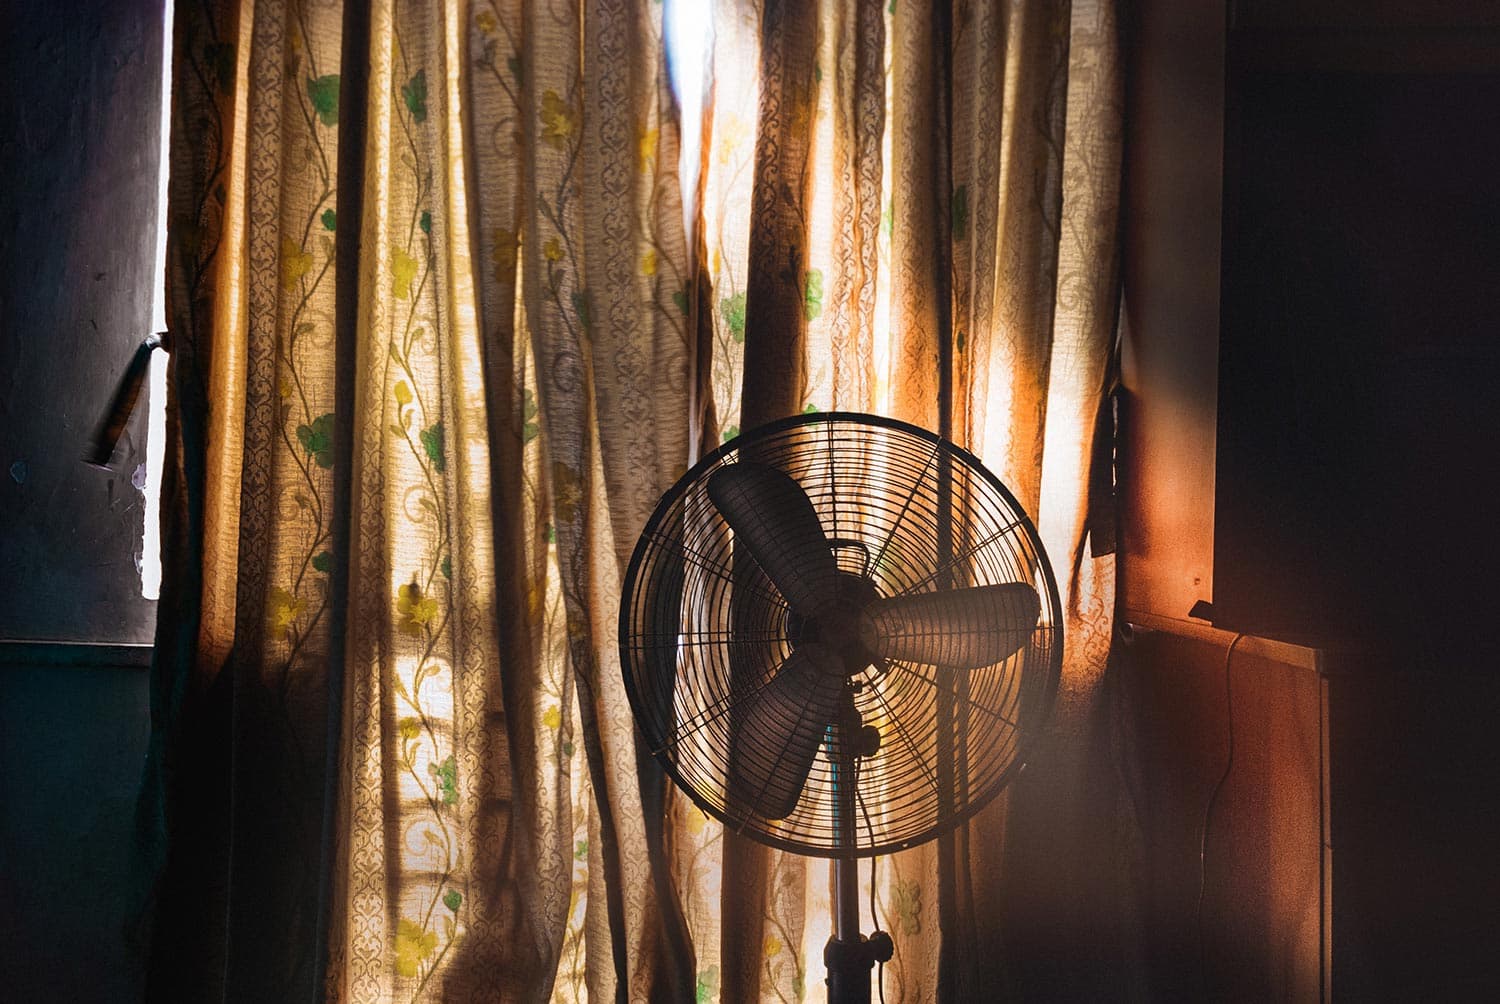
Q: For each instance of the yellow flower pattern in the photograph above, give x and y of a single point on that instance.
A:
(568, 491)
(697, 821)
(295, 263)
(284, 609)
(646, 145)
(413, 610)
(559, 120)
(403, 271)
(504, 255)
(732, 135)
(413, 946)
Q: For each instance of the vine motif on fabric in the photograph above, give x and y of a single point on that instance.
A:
(636, 267)
(297, 606)
(731, 160)
(422, 677)
(782, 968)
(559, 888)
(206, 79)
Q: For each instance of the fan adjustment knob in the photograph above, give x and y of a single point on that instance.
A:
(861, 953)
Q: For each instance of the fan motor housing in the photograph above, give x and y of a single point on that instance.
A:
(839, 627)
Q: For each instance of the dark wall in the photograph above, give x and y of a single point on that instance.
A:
(79, 147)
(1356, 431)
(1361, 246)
(1174, 133)
(78, 152)
(1414, 824)
(1310, 298)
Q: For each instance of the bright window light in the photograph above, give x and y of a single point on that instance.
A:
(156, 419)
(688, 30)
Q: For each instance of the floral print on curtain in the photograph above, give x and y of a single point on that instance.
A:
(521, 400)
(427, 783)
(524, 374)
(580, 217)
(497, 841)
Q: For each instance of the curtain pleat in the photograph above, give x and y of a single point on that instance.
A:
(251, 320)
(539, 867)
(536, 359)
(428, 787)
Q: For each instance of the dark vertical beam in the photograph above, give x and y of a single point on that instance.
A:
(952, 957)
(354, 82)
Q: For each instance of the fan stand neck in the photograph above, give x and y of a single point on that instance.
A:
(849, 955)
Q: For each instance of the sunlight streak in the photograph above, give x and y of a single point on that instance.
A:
(688, 30)
(156, 394)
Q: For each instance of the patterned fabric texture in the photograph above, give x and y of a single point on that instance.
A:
(398, 763)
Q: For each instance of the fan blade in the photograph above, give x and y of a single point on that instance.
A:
(952, 629)
(777, 731)
(773, 517)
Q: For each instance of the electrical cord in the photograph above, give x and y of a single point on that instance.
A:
(1208, 808)
(875, 919)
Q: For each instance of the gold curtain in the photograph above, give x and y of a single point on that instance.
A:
(835, 203)
(522, 271)
(447, 801)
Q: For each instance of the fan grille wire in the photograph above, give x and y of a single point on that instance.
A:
(702, 630)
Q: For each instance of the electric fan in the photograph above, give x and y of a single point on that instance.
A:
(840, 636)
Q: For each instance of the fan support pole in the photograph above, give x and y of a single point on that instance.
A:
(849, 955)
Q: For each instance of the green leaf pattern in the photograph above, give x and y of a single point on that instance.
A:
(296, 619)
(317, 439)
(432, 442)
(733, 310)
(414, 92)
(324, 93)
(530, 428)
(813, 294)
(708, 985)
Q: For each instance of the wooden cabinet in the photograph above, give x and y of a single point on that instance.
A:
(1312, 306)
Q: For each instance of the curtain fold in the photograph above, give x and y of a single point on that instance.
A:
(241, 709)
(536, 358)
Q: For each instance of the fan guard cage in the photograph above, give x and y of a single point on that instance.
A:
(692, 649)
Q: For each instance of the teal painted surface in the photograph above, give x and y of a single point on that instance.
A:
(72, 745)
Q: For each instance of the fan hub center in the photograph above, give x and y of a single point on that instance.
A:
(837, 623)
